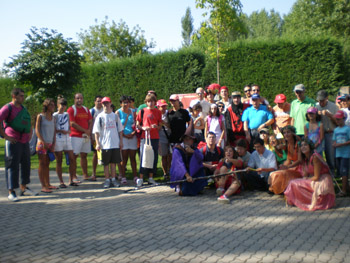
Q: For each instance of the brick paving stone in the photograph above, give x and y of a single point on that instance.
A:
(156, 225)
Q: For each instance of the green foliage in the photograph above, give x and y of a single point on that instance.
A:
(108, 41)
(6, 86)
(277, 66)
(47, 64)
(263, 24)
(187, 27)
(167, 73)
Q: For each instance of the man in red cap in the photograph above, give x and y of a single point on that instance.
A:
(81, 125)
(224, 97)
(281, 113)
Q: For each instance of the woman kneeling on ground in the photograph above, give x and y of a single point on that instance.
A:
(229, 163)
(315, 190)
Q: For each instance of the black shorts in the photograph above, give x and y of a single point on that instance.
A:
(111, 156)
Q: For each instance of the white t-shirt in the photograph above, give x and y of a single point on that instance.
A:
(62, 123)
(108, 125)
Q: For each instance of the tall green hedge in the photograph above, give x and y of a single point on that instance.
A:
(277, 66)
(166, 73)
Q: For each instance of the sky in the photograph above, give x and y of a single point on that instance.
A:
(159, 19)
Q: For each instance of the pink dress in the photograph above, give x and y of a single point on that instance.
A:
(311, 195)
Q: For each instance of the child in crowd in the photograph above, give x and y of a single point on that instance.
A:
(242, 151)
(198, 122)
(63, 142)
(314, 128)
(228, 163)
(214, 123)
(277, 146)
(108, 131)
(264, 135)
(341, 143)
(165, 150)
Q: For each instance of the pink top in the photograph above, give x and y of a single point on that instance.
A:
(324, 166)
(22, 138)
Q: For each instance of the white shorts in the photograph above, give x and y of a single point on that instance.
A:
(81, 145)
(63, 144)
(129, 144)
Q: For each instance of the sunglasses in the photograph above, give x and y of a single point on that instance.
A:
(220, 106)
(256, 90)
(247, 90)
(298, 92)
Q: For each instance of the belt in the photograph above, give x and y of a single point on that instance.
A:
(328, 131)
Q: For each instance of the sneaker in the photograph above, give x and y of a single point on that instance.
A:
(115, 183)
(223, 199)
(28, 191)
(151, 181)
(107, 183)
(210, 181)
(124, 181)
(139, 182)
(13, 197)
(135, 179)
(220, 191)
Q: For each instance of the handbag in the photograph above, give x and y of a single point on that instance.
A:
(148, 153)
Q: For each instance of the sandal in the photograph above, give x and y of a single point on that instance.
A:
(73, 184)
(92, 179)
(341, 194)
(63, 186)
(124, 181)
(76, 181)
(53, 187)
(46, 191)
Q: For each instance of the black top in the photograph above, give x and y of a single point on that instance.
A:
(178, 120)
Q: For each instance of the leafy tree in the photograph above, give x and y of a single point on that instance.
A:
(187, 27)
(48, 64)
(108, 41)
(319, 17)
(224, 18)
(263, 24)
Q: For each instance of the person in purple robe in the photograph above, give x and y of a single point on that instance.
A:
(187, 163)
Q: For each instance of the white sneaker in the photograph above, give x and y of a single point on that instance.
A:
(151, 181)
(13, 197)
(115, 183)
(107, 183)
(220, 191)
(139, 182)
(223, 199)
(29, 191)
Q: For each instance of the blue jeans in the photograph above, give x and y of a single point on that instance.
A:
(155, 145)
(15, 154)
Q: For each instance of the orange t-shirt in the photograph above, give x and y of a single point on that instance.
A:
(282, 116)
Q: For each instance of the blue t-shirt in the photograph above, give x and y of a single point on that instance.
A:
(256, 117)
(128, 127)
(341, 135)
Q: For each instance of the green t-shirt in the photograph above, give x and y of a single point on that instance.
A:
(298, 113)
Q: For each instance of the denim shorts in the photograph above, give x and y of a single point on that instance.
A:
(342, 165)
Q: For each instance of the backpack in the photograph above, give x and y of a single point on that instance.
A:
(220, 120)
(203, 145)
(93, 111)
(21, 123)
(75, 110)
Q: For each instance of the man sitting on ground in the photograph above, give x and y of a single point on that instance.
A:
(212, 154)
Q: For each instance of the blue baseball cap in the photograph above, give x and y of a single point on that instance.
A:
(255, 96)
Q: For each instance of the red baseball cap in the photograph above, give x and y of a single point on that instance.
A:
(161, 103)
(106, 99)
(280, 98)
(223, 87)
(340, 115)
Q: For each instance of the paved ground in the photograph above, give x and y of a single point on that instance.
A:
(91, 224)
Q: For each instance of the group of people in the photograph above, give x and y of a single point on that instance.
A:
(244, 142)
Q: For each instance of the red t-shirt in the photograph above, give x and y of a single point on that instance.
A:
(81, 118)
(150, 116)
